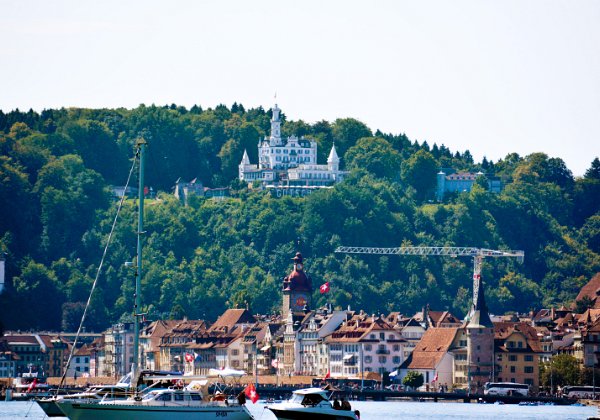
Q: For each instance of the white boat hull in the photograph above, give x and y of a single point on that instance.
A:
(307, 413)
(96, 411)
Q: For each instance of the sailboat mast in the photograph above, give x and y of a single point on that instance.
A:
(141, 144)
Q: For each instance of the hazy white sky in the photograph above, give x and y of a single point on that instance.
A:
(493, 77)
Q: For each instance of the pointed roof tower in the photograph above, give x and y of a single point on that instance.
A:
(245, 159)
(333, 156)
(480, 317)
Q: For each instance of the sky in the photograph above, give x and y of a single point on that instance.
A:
(491, 77)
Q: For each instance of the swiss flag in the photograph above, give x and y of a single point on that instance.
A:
(32, 385)
(324, 288)
(189, 357)
(251, 393)
(435, 378)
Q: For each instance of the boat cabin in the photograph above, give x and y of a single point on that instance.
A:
(311, 397)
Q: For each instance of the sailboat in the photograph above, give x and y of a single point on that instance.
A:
(173, 403)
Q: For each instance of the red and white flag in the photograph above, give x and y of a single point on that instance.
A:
(324, 288)
(251, 393)
(32, 385)
(435, 378)
(189, 357)
(328, 375)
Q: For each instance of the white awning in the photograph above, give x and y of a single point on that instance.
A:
(348, 356)
(393, 374)
(265, 348)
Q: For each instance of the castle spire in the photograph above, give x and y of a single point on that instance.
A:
(333, 156)
(245, 159)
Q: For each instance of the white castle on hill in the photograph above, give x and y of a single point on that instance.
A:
(290, 164)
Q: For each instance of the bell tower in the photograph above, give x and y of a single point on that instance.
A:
(297, 288)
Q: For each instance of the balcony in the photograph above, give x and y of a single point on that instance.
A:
(382, 351)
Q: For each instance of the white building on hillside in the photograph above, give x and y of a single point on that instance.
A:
(290, 163)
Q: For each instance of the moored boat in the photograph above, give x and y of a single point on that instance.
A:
(30, 385)
(179, 404)
(310, 403)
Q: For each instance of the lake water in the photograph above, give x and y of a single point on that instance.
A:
(389, 410)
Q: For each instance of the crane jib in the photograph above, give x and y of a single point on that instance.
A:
(432, 250)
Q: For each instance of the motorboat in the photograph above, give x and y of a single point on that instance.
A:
(310, 403)
(171, 403)
(30, 385)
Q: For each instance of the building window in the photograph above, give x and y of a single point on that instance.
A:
(512, 369)
(396, 347)
(528, 358)
(396, 360)
(512, 357)
(368, 359)
(368, 347)
(528, 369)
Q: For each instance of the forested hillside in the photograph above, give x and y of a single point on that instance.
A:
(56, 209)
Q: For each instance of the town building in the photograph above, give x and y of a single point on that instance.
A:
(450, 182)
(118, 341)
(432, 357)
(518, 353)
(364, 344)
(174, 344)
(80, 363)
(288, 166)
(184, 190)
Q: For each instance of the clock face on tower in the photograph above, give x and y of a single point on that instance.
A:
(299, 266)
(299, 301)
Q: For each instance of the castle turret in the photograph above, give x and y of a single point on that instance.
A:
(275, 138)
(333, 161)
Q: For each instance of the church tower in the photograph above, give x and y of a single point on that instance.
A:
(480, 340)
(297, 289)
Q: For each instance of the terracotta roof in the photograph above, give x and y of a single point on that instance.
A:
(503, 330)
(431, 349)
(358, 328)
(230, 318)
(439, 318)
(590, 289)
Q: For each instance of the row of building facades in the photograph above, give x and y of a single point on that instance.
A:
(314, 342)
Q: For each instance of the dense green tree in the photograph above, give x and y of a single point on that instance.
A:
(346, 132)
(563, 370)
(36, 284)
(593, 172)
(413, 379)
(419, 171)
(376, 156)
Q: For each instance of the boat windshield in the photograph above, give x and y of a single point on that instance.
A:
(297, 398)
(312, 399)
